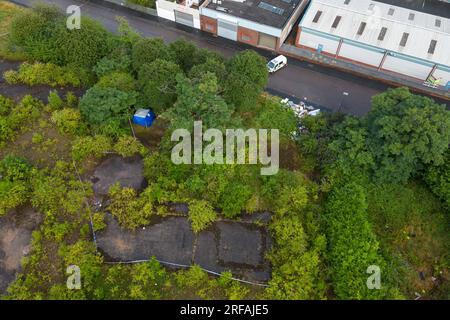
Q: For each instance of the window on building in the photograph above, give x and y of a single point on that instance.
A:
(362, 26)
(245, 37)
(437, 23)
(317, 16)
(391, 11)
(382, 34)
(404, 39)
(209, 27)
(432, 47)
(411, 16)
(336, 22)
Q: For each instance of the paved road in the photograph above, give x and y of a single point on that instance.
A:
(319, 85)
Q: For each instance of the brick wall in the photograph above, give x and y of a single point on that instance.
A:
(248, 36)
(208, 24)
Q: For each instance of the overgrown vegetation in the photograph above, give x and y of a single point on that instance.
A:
(350, 193)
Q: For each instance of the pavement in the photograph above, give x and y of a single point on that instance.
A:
(332, 89)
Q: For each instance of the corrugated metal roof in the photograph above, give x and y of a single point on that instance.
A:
(417, 28)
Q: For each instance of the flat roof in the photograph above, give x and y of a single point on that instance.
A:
(382, 25)
(435, 7)
(274, 13)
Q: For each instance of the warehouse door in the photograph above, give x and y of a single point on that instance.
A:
(184, 18)
(267, 41)
(227, 29)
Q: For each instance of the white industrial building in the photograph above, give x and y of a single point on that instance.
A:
(184, 12)
(411, 38)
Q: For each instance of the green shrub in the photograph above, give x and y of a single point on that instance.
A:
(6, 105)
(54, 101)
(46, 73)
(67, 120)
(201, 215)
(117, 80)
(13, 168)
(353, 245)
(131, 211)
(85, 147)
(43, 35)
(118, 61)
(71, 99)
(12, 195)
(128, 146)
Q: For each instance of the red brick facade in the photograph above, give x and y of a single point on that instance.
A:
(208, 24)
(248, 36)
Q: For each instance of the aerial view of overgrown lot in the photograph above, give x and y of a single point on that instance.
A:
(81, 185)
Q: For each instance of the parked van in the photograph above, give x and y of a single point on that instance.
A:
(276, 64)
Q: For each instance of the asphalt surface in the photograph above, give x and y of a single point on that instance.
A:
(300, 80)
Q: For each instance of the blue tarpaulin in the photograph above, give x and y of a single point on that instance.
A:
(144, 117)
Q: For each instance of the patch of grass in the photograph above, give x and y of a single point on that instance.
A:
(413, 229)
(8, 11)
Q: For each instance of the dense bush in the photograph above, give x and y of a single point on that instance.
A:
(353, 245)
(54, 101)
(15, 173)
(47, 73)
(99, 106)
(131, 211)
(86, 147)
(67, 120)
(28, 110)
(6, 105)
(43, 34)
(201, 215)
(117, 80)
(128, 146)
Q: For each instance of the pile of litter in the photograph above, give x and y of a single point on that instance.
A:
(301, 109)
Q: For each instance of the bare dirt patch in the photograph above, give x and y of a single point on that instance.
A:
(128, 172)
(15, 237)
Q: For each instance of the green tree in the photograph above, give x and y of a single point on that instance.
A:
(183, 53)
(146, 51)
(199, 102)
(157, 81)
(406, 132)
(247, 77)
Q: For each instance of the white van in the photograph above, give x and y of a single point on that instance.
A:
(276, 64)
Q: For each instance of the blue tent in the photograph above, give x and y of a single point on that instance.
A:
(144, 117)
